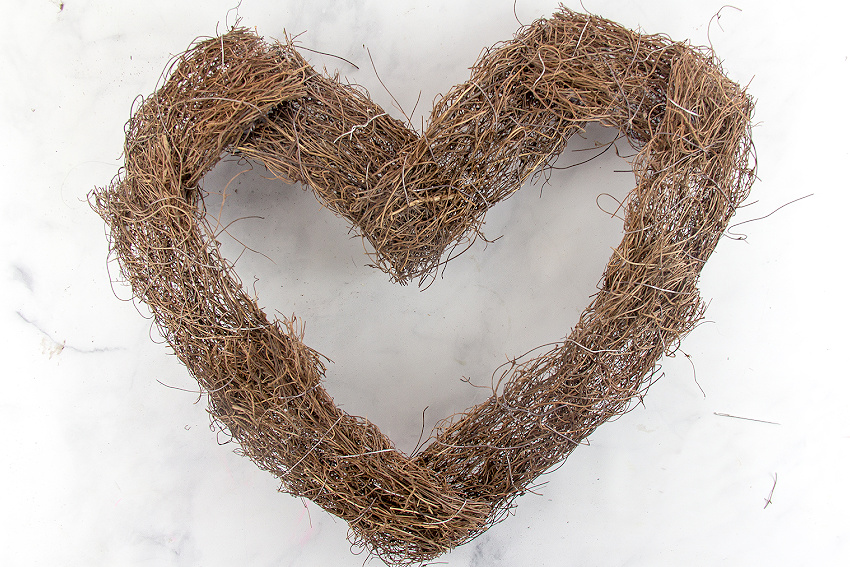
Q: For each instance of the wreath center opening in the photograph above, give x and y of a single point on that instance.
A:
(395, 350)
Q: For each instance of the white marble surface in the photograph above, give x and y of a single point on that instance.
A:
(105, 465)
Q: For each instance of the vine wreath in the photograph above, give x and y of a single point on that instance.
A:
(415, 197)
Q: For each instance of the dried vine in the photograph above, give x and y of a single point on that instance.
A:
(414, 197)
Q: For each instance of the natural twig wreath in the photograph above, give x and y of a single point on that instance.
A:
(414, 197)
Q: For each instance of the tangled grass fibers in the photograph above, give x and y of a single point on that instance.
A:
(415, 197)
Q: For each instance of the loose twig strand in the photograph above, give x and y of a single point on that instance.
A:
(239, 94)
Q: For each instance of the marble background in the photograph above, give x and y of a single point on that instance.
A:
(109, 456)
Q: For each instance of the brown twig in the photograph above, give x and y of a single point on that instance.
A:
(769, 500)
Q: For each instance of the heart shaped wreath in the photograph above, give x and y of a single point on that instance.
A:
(414, 197)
